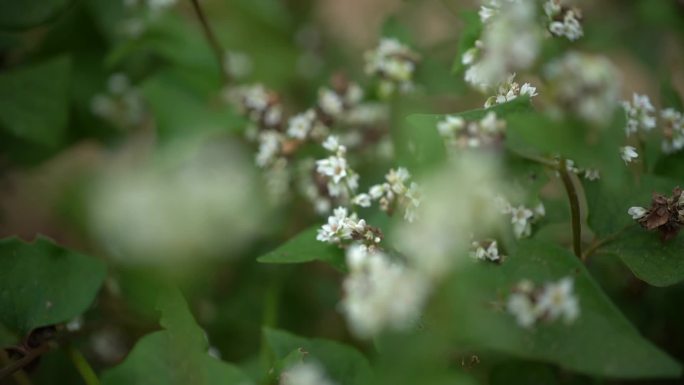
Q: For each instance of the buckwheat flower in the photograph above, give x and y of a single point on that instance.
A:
(381, 294)
(486, 251)
(363, 200)
(510, 90)
(337, 227)
(520, 218)
(539, 210)
(564, 21)
(396, 179)
(269, 147)
(557, 300)
(334, 167)
(520, 306)
(305, 373)
(237, 64)
(637, 212)
(300, 125)
(330, 102)
(592, 174)
(394, 63)
(640, 114)
(628, 154)
(672, 130)
(332, 144)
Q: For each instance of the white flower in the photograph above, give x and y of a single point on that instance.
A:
(337, 227)
(330, 102)
(363, 200)
(305, 373)
(332, 143)
(448, 126)
(592, 174)
(378, 190)
(486, 252)
(628, 153)
(269, 147)
(528, 89)
(522, 308)
(394, 63)
(558, 300)
(520, 218)
(300, 125)
(510, 90)
(640, 114)
(637, 212)
(334, 167)
(673, 130)
(567, 25)
(381, 294)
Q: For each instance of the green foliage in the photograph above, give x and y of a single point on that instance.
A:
(34, 101)
(176, 355)
(342, 363)
(472, 28)
(477, 292)
(44, 284)
(29, 13)
(304, 247)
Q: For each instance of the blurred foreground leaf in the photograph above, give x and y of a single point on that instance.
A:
(43, 284)
(29, 13)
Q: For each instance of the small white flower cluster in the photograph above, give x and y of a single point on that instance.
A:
(509, 90)
(563, 21)
(584, 85)
(335, 102)
(135, 25)
(510, 42)
(395, 193)
(342, 181)
(522, 217)
(486, 250)
(628, 154)
(122, 105)
(673, 130)
(394, 63)
(640, 114)
(554, 301)
(343, 226)
(305, 373)
(236, 64)
(261, 105)
(381, 293)
(461, 134)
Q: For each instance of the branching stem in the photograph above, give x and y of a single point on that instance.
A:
(574, 208)
(213, 41)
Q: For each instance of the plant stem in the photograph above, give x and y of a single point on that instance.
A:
(574, 208)
(23, 361)
(83, 367)
(213, 41)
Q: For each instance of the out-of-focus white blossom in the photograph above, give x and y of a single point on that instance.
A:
(270, 143)
(305, 373)
(397, 193)
(584, 85)
(381, 294)
(637, 212)
(473, 134)
(555, 300)
(486, 250)
(592, 174)
(672, 130)
(394, 64)
(122, 105)
(298, 126)
(237, 65)
(628, 154)
(640, 114)
(522, 217)
(563, 20)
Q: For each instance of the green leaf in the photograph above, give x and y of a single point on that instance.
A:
(29, 13)
(342, 363)
(304, 247)
(34, 101)
(650, 259)
(44, 284)
(671, 166)
(600, 342)
(522, 373)
(174, 356)
(180, 112)
(668, 94)
(472, 28)
(608, 204)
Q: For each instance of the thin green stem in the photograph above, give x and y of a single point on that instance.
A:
(82, 366)
(213, 41)
(574, 208)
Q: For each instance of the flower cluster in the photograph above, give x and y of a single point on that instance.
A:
(584, 85)
(135, 25)
(563, 20)
(381, 293)
(640, 114)
(673, 130)
(395, 193)
(522, 217)
(590, 174)
(305, 373)
(122, 105)
(486, 250)
(628, 154)
(394, 63)
(342, 181)
(510, 42)
(553, 301)
(457, 132)
(510, 90)
(666, 214)
(342, 226)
